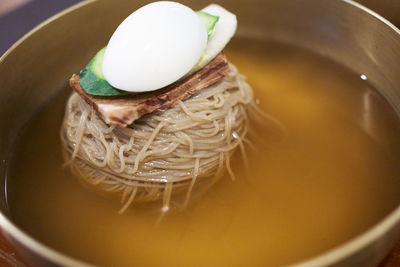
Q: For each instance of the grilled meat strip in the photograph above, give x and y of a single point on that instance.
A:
(124, 110)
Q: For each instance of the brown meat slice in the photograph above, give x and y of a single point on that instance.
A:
(124, 110)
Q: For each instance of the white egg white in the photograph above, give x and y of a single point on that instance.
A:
(153, 47)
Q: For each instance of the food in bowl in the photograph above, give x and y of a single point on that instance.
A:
(341, 135)
(159, 108)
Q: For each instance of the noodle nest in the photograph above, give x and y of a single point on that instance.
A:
(160, 152)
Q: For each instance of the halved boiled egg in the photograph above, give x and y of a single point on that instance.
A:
(154, 47)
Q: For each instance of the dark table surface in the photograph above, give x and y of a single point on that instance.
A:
(15, 23)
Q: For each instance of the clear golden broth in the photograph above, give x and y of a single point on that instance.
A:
(334, 174)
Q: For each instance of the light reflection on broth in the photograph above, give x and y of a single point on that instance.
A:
(333, 175)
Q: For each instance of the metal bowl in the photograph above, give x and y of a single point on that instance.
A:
(34, 67)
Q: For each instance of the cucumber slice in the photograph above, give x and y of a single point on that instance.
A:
(92, 79)
(224, 31)
(96, 66)
(208, 20)
(95, 86)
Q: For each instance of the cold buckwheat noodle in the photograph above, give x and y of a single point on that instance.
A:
(161, 152)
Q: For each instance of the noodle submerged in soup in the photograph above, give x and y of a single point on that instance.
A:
(333, 174)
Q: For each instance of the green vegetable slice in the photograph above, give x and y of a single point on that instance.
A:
(97, 64)
(92, 79)
(208, 20)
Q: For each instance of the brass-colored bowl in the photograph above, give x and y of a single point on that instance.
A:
(34, 67)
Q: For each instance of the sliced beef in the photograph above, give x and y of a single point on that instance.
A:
(124, 110)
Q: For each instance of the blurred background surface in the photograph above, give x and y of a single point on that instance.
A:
(17, 17)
